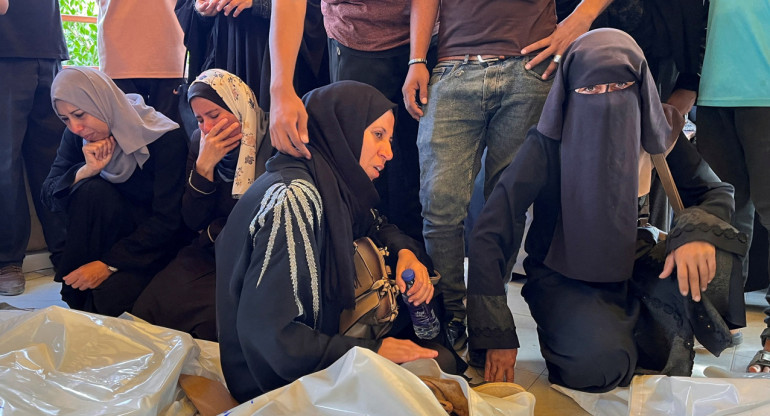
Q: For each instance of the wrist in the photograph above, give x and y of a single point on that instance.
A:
(414, 61)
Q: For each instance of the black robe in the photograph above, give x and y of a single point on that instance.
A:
(274, 323)
(534, 177)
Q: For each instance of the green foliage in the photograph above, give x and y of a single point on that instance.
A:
(81, 37)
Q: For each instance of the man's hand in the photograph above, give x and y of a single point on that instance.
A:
(682, 100)
(416, 83)
(288, 124)
(695, 265)
(567, 31)
(500, 365)
(214, 146)
(402, 350)
(88, 276)
(422, 290)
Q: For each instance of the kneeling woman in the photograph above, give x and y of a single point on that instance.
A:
(285, 258)
(593, 277)
(119, 175)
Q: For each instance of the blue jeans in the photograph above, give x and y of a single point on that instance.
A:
(471, 106)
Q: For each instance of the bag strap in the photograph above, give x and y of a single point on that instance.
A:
(664, 173)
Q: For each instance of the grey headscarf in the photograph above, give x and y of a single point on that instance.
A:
(601, 138)
(132, 123)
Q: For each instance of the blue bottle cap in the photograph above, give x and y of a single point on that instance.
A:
(407, 275)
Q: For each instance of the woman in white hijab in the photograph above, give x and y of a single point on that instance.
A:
(119, 176)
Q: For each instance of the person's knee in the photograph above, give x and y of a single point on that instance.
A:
(596, 372)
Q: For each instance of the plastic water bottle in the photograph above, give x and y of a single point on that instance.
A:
(426, 325)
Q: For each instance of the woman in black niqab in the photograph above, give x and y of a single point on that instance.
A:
(593, 283)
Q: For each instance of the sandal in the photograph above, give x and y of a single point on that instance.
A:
(761, 358)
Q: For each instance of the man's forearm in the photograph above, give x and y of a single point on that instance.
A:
(422, 21)
(286, 28)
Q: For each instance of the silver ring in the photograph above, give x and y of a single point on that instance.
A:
(557, 58)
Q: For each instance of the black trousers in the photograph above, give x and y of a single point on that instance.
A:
(596, 336)
(30, 133)
(157, 93)
(97, 217)
(182, 295)
(399, 185)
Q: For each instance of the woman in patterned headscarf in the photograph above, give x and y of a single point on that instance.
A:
(118, 175)
(227, 153)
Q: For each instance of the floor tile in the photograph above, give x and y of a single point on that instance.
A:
(552, 403)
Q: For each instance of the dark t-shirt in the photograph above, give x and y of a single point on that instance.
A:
(493, 27)
(32, 29)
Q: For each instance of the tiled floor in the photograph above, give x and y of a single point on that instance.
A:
(531, 373)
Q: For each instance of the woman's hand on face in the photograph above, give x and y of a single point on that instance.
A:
(215, 145)
(422, 290)
(97, 154)
(403, 350)
(695, 265)
(88, 276)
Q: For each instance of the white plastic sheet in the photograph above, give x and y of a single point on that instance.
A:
(362, 382)
(689, 396)
(57, 361)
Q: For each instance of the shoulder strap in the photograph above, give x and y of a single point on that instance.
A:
(664, 173)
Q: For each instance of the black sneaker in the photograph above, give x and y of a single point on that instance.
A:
(457, 335)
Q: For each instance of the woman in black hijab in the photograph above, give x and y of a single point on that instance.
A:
(285, 258)
(593, 285)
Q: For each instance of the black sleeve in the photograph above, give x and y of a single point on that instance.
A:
(280, 295)
(495, 239)
(199, 202)
(692, 26)
(59, 184)
(155, 236)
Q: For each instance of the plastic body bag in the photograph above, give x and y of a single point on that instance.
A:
(57, 361)
(688, 396)
(362, 382)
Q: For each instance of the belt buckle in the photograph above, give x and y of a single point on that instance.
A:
(487, 62)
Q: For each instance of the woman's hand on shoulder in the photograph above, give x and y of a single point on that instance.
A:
(422, 290)
(403, 350)
(696, 266)
(97, 154)
(214, 146)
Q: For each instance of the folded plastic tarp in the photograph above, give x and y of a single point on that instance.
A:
(58, 361)
(689, 396)
(362, 382)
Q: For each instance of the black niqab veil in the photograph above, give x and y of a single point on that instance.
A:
(601, 137)
(338, 115)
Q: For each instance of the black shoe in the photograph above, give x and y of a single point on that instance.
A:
(457, 335)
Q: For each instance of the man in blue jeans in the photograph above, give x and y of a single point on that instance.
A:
(486, 91)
